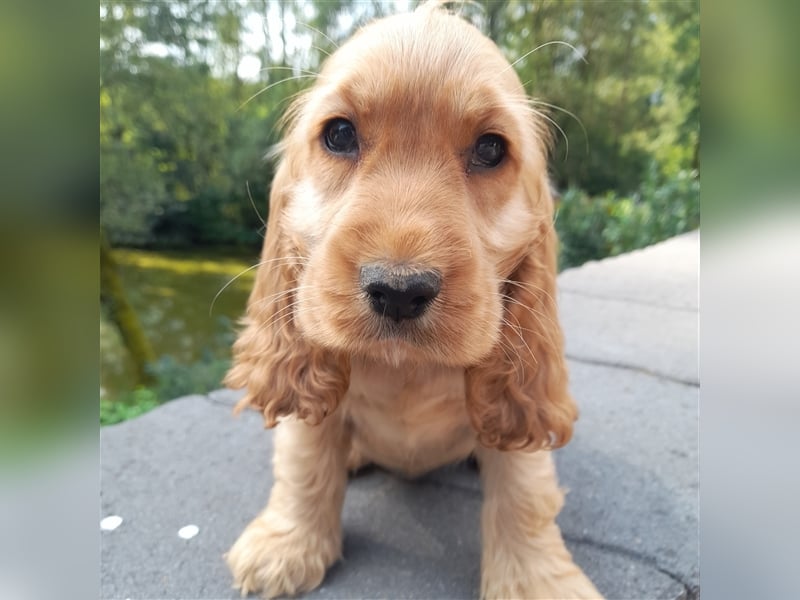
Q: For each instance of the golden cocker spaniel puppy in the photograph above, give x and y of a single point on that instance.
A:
(404, 309)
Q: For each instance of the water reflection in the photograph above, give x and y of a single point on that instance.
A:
(172, 293)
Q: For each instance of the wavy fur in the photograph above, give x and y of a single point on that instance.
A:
(281, 372)
(518, 397)
(481, 371)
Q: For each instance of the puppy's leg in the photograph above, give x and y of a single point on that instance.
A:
(523, 553)
(289, 546)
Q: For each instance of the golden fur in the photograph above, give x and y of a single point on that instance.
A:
(481, 371)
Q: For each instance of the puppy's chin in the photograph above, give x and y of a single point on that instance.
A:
(394, 352)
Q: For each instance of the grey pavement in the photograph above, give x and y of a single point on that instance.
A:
(631, 515)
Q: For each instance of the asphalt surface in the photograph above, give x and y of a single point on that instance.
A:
(631, 515)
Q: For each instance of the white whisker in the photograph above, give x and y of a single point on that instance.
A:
(287, 260)
(518, 329)
(335, 45)
(292, 69)
(322, 51)
(272, 85)
(272, 298)
(535, 289)
(565, 111)
(556, 125)
(253, 204)
(527, 54)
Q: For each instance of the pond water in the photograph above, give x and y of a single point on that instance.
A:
(172, 293)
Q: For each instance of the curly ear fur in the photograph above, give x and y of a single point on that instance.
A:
(518, 398)
(283, 374)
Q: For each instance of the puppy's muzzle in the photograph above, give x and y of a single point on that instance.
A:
(399, 293)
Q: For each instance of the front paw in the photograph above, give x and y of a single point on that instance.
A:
(508, 584)
(274, 557)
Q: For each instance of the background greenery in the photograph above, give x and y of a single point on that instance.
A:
(184, 128)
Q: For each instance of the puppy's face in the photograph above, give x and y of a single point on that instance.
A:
(412, 189)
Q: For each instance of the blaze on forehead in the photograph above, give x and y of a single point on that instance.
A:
(418, 49)
(418, 65)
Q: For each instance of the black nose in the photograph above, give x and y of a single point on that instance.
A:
(399, 295)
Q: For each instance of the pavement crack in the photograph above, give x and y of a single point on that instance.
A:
(687, 309)
(222, 399)
(637, 369)
(215, 402)
(690, 591)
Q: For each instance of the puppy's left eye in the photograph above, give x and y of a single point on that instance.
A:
(489, 151)
(340, 137)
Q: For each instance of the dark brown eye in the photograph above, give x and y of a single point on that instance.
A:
(340, 137)
(489, 151)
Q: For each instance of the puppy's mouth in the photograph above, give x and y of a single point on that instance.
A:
(389, 329)
(399, 313)
(399, 341)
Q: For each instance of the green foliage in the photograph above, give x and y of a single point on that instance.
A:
(178, 159)
(618, 80)
(591, 228)
(173, 381)
(180, 146)
(182, 136)
(133, 404)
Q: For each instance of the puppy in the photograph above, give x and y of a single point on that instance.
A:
(404, 309)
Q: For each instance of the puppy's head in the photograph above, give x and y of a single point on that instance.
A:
(410, 203)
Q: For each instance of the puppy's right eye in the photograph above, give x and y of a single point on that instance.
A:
(340, 136)
(489, 151)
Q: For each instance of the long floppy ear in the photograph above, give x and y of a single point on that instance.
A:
(517, 397)
(282, 372)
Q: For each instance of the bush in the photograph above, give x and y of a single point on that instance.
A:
(132, 405)
(173, 381)
(176, 380)
(594, 228)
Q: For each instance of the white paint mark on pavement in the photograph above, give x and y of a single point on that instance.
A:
(188, 532)
(111, 523)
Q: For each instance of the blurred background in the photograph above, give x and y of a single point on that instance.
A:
(190, 96)
(50, 118)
